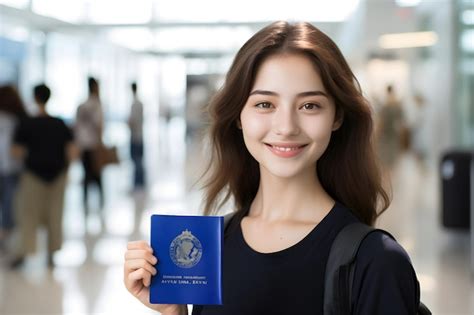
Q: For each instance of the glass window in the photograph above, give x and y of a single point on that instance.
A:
(467, 17)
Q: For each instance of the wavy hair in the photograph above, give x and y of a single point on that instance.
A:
(348, 170)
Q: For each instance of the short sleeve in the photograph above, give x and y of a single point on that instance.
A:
(384, 279)
(20, 135)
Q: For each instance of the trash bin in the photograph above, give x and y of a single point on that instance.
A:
(455, 171)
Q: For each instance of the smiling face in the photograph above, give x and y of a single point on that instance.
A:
(288, 118)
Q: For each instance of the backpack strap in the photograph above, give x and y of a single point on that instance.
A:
(340, 268)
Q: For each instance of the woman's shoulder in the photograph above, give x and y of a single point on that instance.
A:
(382, 262)
(378, 248)
(385, 281)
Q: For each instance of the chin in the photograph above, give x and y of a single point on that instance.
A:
(285, 172)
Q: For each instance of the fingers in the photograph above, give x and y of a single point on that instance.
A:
(141, 254)
(140, 274)
(139, 245)
(134, 264)
(139, 263)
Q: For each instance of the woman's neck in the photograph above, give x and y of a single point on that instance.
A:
(298, 198)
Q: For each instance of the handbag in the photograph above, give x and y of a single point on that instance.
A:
(103, 156)
(405, 138)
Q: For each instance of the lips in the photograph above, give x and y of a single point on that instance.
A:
(286, 150)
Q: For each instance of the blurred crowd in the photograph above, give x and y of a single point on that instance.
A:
(35, 153)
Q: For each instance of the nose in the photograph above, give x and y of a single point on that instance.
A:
(285, 122)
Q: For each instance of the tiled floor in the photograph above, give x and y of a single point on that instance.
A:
(88, 276)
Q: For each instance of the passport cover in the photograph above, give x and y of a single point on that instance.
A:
(189, 253)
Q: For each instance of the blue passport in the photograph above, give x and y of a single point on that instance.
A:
(189, 252)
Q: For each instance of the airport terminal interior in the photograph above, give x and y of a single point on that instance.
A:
(178, 53)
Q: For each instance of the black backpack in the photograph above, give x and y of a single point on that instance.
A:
(340, 269)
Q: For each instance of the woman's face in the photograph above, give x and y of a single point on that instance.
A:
(288, 118)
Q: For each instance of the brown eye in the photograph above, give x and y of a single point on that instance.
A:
(310, 106)
(264, 105)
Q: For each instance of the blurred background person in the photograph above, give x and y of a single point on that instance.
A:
(418, 128)
(165, 130)
(88, 133)
(389, 129)
(135, 122)
(47, 145)
(11, 112)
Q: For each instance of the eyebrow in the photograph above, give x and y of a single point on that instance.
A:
(302, 94)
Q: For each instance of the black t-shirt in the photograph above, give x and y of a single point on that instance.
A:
(291, 281)
(45, 139)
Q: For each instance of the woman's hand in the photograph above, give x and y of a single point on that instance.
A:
(138, 269)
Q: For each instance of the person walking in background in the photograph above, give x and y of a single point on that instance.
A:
(11, 112)
(47, 145)
(88, 133)
(135, 122)
(389, 130)
(418, 127)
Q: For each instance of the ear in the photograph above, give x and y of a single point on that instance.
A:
(238, 124)
(338, 122)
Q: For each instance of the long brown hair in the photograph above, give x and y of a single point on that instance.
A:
(11, 102)
(347, 170)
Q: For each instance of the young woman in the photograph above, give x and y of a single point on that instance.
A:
(292, 140)
(11, 113)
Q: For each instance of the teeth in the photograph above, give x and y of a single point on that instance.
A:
(285, 149)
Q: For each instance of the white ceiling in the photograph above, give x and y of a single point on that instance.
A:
(208, 26)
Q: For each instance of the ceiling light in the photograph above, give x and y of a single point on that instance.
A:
(408, 40)
(407, 3)
(467, 17)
